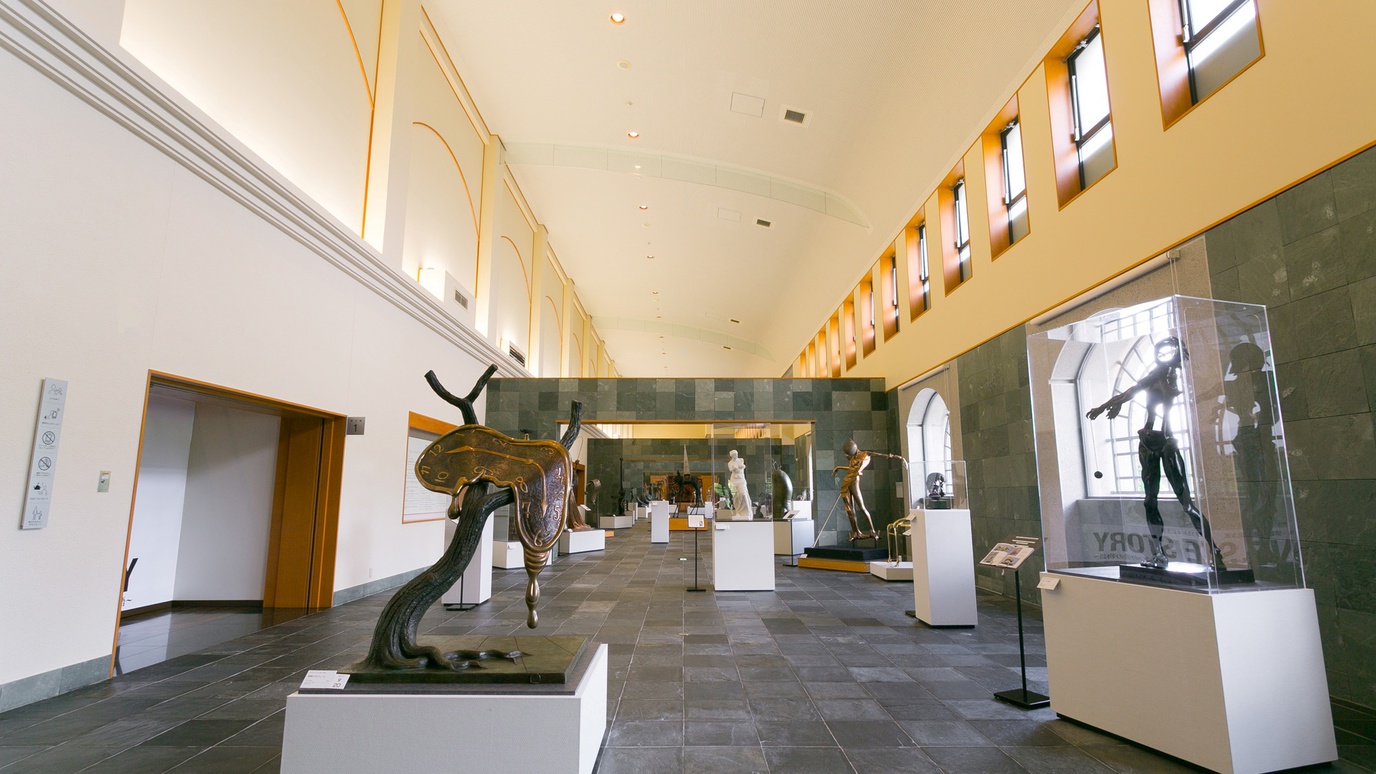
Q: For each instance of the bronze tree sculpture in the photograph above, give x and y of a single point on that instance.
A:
(482, 470)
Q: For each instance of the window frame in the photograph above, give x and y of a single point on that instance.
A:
(960, 210)
(1011, 201)
(1080, 135)
(1191, 39)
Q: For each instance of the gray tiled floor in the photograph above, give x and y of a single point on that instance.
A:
(824, 675)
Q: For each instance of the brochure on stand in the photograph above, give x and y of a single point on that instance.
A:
(1011, 553)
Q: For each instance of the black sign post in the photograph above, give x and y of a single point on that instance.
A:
(1009, 555)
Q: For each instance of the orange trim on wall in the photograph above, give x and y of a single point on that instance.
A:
(946, 204)
(991, 145)
(463, 179)
(367, 87)
(372, 116)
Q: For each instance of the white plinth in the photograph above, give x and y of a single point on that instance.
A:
(476, 585)
(943, 567)
(582, 541)
(615, 522)
(507, 554)
(1233, 682)
(802, 535)
(480, 733)
(903, 571)
(743, 556)
(659, 521)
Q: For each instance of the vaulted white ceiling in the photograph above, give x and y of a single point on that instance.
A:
(894, 92)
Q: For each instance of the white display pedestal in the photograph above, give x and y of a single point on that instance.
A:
(608, 521)
(476, 584)
(743, 556)
(1233, 682)
(944, 567)
(423, 734)
(802, 536)
(507, 554)
(659, 521)
(903, 571)
(582, 541)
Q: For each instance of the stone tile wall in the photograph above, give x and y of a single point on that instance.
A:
(1309, 255)
(838, 408)
(996, 432)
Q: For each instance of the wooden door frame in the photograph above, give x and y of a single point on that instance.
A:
(322, 516)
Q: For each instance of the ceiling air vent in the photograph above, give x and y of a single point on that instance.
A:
(516, 354)
(763, 222)
(461, 299)
(794, 116)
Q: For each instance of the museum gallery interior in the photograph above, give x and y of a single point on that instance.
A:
(466, 385)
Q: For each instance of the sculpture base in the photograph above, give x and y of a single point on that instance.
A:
(554, 729)
(540, 661)
(1183, 574)
(884, 570)
(848, 554)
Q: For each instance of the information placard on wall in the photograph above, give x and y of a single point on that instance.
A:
(38, 495)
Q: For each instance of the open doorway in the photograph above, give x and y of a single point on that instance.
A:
(233, 522)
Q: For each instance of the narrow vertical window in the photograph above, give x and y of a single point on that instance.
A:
(1093, 129)
(962, 218)
(1220, 39)
(924, 276)
(1014, 181)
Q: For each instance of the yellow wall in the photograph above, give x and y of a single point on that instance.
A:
(1302, 107)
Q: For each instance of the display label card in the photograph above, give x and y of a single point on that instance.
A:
(1049, 582)
(326, 679)
(696, 521)
(1011, 553)
(723, 527)
(43, 460)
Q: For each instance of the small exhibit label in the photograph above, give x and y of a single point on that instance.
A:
(696, 521)
(1049, 582)
(326, 679)
(43, 461)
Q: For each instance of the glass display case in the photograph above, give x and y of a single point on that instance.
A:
(760, 470)
(1160, 448)
(937, 485)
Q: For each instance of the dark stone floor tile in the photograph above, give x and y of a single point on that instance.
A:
(891, 760)
(1018, 733)
(63, 759)
(646, 733)
(143, 760)
(228, 760)
(641, 760)
(806, 760)
(653, 690)
(945, 733)
(973, 760)
(717, 709)
(710, 760)
(788, 690)
(1128, 759)
(868, 733)
(783, 709)
(794, 734)
(199, 733)
(1056, 760)
(719, 734)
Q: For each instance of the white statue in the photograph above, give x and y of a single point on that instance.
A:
(740, 495)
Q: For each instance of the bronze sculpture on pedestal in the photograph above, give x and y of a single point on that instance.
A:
(468, 463)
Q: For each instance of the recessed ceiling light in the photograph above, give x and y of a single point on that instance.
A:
(633, 134)
(622, 64)
(618, 18)
(644, 206)
(650, 257)
(654, 292)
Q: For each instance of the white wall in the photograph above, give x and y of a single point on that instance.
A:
(228, 512)
(120, 260)
(156, 533)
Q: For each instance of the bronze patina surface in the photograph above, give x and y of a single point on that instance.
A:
(480, 660)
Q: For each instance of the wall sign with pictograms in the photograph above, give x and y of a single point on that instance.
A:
(38, 495)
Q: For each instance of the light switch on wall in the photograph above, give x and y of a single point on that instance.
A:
(103, 483)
